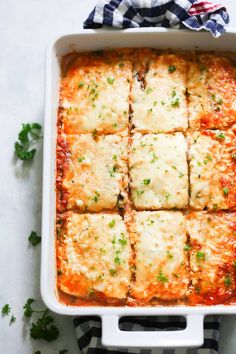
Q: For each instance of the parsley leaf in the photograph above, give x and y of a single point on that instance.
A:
(12, 320)
(29, 134)
(27, 308)
(227, 280)
(6, 309)
(112, 223)
(162, 278)
(187, 248)
(44, 328)
(146, 181)
(220, 135)
(200, 256)
(171, 69)
(225, 191)
(110, 80)
(34, 239)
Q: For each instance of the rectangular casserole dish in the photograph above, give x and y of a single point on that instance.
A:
(111, 334)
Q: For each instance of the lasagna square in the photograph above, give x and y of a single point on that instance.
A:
(212, 92)
(158, 93)
(161, 261)
(158, 171)
(212, 157)
(95, 93)
(212, 256)
(96, 174)
(94, 257)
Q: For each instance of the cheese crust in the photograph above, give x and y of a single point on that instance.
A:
(146, 178)
(212, 255)
(94, 256)
(212, 92)
(95, 93)
(212, 156)
(96, 176)
(158, 93)
(158, 171)
(161, 261)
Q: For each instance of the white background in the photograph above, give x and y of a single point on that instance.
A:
(25, 29)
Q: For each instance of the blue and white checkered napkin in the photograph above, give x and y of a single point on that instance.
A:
(88, 332)
(193, 14)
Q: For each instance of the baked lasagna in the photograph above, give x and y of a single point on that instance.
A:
(146, 179)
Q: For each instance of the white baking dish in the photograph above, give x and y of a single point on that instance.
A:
(111, 334)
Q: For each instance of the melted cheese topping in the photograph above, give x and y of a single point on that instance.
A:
(97, 173)
(212, 92)
(212, 169)
(161, 263)
(159, 104)
(212, 254)
(158, 171)
(95, 93)
(94, 256)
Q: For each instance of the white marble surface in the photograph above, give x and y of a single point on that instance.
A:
(25, 28)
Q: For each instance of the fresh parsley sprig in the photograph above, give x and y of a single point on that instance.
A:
(44, 327)
(6, 310)
(34, 239)
(29, 134)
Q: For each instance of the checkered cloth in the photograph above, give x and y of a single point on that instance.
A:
(88, 332)
(193, 14)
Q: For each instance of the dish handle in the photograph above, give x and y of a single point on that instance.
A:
(191, 336)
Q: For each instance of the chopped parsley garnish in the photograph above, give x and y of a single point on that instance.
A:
(200, 256)
(80, 84)
(154, 103)
(220, 135)
(29, 134)
(207, 159)
(162, 278)
(154, 157)
(171, 69)
(148, 90)
(112, 223)
(234, 263)
(181, 174)
(81, 159)
(169, 255)
(110, 80)
(225, 191)
(227, 280)
(12, 320)
(6, 309)
(113, 171)
(220, 101)
(34, 239)
(149, 109)
(117, 260)
(114, 157)
(44, 327)
(94, 133)
(96, 197)
(112, 271)
(139, 192)
(122, 241)
(187, 248)
(175, 100)
(146, 181)
(215, 207)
